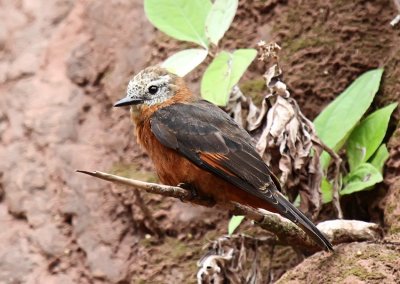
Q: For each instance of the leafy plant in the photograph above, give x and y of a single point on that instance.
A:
(203, 23)
(339, 125)
(336, 121)
(366, 138)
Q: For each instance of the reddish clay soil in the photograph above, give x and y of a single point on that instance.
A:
(62, 65)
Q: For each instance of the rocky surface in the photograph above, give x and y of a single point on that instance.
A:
(351, 263)
(391, 203)
(60, 227)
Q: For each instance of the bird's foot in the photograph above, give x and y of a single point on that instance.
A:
(195, 197)
(191, 188)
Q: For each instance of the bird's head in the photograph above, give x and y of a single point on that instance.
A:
(151, 87)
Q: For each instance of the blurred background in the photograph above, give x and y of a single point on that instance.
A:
(63, 63)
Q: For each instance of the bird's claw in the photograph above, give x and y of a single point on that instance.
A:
(190, 188)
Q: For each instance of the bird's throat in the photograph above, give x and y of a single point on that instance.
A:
(135, 110)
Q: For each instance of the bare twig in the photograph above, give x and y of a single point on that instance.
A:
(287, 232)
(164, 190)
(336, 175)
(396, 19)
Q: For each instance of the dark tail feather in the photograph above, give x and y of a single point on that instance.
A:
(296, 216)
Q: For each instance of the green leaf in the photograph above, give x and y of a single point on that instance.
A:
(234, 223)
(180, 19)
(326, 190)
(379, 158)
(337, 120)
(368, 135)
(220, 18)
(185, 61)
(223, 73)
(363, 177)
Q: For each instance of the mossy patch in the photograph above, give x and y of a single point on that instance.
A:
(394, 230)
(389, 257)
(173, 254)
(390, 209)
(254, 89)
(363, 274)
(307, 42)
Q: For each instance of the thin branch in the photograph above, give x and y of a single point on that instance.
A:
(336, 174)
(287, 232)
(396, 20)
(164, 190)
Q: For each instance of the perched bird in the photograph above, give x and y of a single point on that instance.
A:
(193, 142)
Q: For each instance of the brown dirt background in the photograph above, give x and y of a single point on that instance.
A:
(62, 65)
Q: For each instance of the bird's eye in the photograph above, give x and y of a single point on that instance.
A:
(153, 89)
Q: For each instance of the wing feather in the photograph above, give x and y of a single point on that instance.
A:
(210, 138)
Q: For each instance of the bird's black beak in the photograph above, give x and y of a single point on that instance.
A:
(128, 102)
